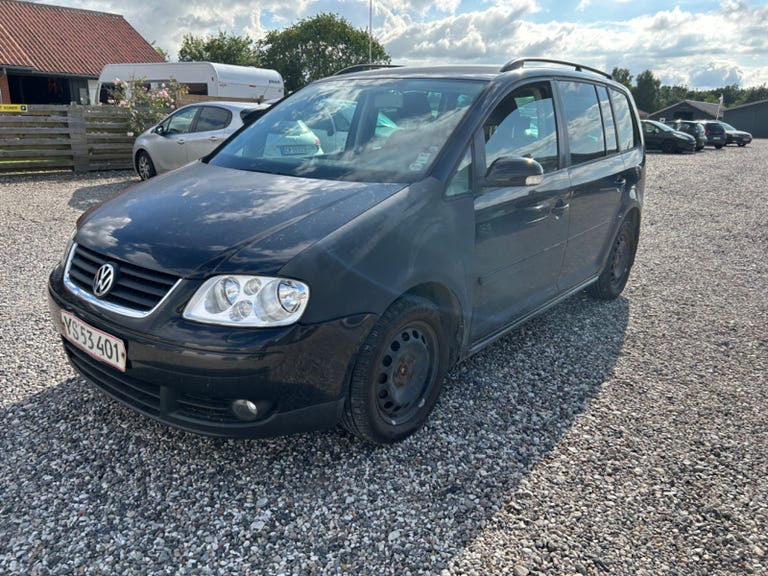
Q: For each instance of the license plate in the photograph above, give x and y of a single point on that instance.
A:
(297, 150)
(95, 342)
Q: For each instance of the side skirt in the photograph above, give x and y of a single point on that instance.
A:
(488, 340)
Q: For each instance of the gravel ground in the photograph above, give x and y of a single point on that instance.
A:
(620, 438)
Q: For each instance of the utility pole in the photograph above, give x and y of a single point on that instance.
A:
(370, 31)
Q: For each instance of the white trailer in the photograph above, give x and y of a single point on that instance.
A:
(201, 78)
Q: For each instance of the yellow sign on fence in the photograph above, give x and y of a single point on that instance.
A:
(14, 108)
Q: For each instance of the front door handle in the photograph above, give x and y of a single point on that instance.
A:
(560, 207)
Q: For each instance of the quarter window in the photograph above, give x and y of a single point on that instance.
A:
(627, 133)
(461, 181)
(611, 142)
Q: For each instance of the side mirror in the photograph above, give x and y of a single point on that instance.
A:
(159, 130)
(514, 171)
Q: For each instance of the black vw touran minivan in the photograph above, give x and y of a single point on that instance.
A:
(328, 263)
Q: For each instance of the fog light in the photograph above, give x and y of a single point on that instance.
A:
(245, 409)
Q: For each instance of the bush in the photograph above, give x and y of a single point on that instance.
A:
(146, 105)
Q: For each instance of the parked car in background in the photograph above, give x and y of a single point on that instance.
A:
(659, 136)
(693, 128)
(736, 136)
(268, 290)
(715, 132)
(191, 132)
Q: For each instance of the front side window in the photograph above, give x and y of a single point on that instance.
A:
(382, 130)
(181, 122)
(523, 125)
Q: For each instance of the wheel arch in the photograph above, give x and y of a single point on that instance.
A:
(136, 154)
(634, 215)
(449, 308)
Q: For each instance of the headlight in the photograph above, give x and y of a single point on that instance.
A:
(249, 301)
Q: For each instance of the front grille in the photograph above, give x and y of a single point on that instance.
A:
(161, 402)
(135, 288)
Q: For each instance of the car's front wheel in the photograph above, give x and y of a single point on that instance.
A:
(144, 166)
(398, 374)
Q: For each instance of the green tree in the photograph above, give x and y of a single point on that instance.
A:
(223, 48)
(622, 76)
(315, 48)
(160, 51)
(646, 91)
(755, 94)
(669, 95)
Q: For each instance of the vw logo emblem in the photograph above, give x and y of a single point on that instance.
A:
(103, 280)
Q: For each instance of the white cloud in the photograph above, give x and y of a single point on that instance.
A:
(680, 46)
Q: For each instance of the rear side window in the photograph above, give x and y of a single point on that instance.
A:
(213, 118)
(628, 137)
(584, 121)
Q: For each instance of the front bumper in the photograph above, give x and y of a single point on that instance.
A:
(296, 376)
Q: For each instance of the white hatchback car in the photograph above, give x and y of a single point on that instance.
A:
(191, 132)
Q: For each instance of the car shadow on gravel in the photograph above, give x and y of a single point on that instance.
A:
(87, 196)
(313, 503)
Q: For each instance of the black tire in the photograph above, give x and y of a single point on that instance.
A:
(613, 278)
(742, 144)
(718, 146)
(398, 374)
(144, 166)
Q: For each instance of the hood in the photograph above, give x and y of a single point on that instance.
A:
(202, 219)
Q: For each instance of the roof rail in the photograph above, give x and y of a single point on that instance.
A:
(363, 68)
(520, 62)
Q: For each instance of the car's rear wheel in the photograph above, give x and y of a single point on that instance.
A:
(615, 274)
(144, 166)
(718, 146)
(398, 374)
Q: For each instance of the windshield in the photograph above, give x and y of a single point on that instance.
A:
(383, 130)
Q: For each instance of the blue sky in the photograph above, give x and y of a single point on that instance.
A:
(699, 44)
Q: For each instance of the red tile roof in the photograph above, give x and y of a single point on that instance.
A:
(67, 41)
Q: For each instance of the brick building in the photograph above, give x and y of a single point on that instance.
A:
(53, 55)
